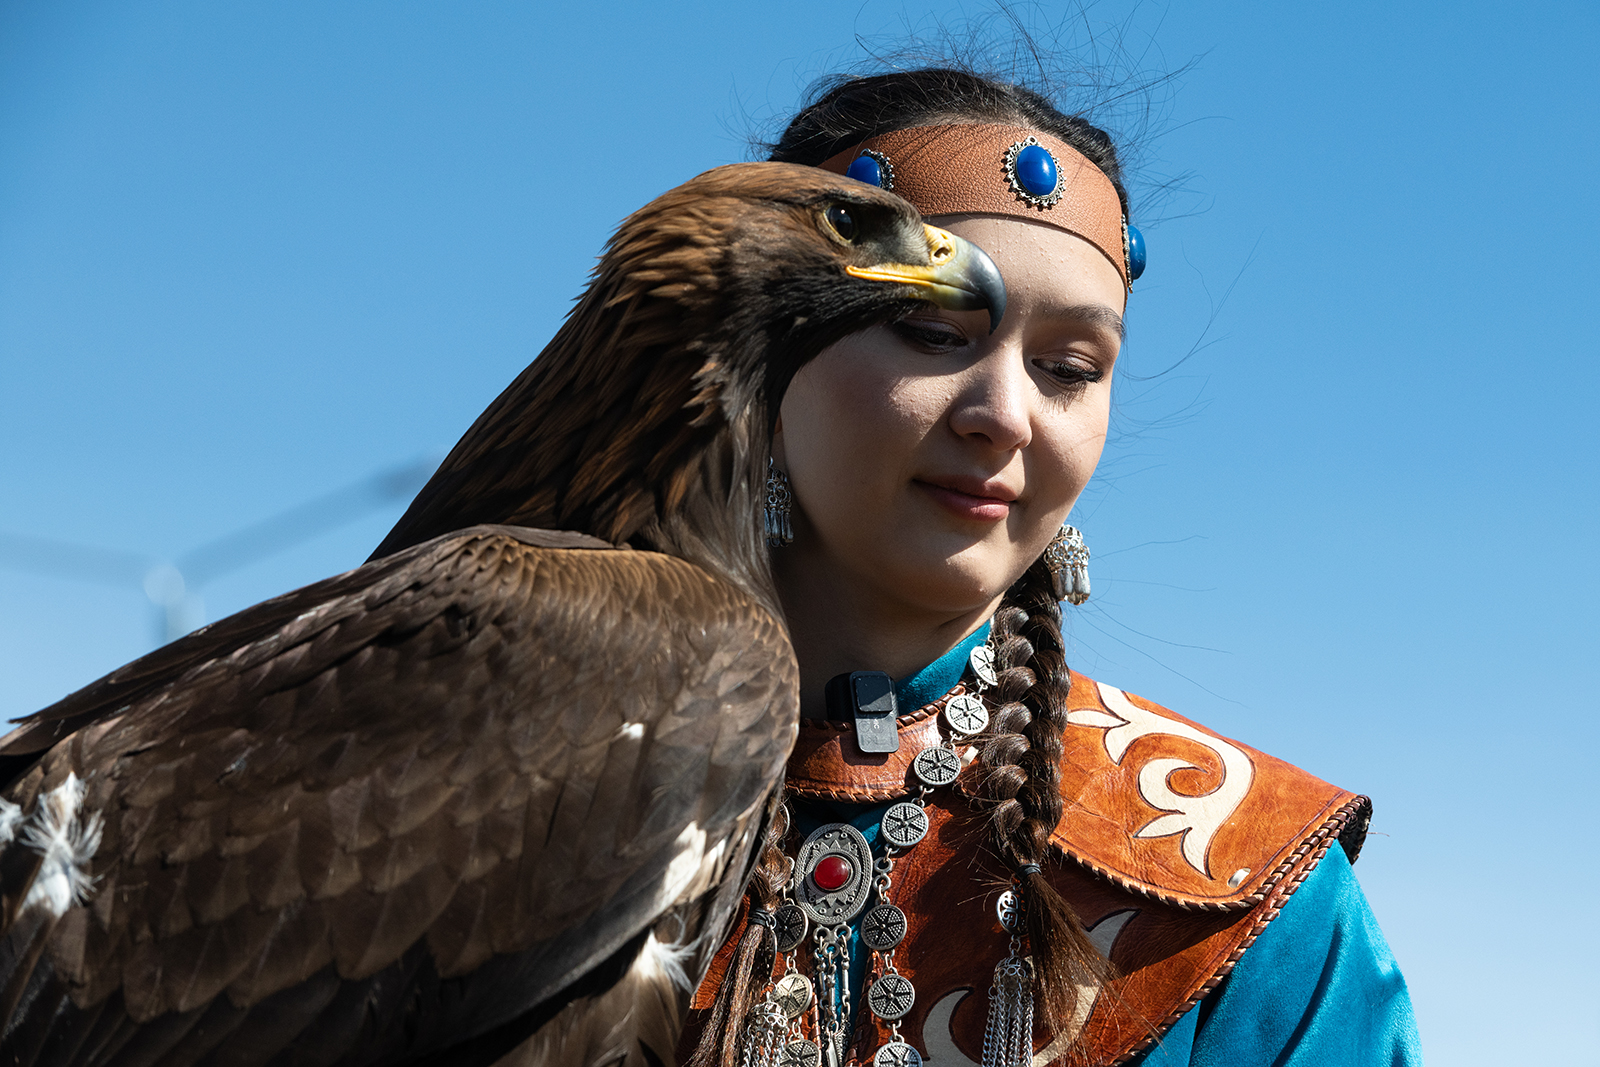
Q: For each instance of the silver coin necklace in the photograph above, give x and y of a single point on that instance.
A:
(833, 880)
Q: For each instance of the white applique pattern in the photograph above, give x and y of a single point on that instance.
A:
(1197, 818)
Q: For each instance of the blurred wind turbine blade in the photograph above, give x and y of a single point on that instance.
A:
(63, 559)
(303, 521)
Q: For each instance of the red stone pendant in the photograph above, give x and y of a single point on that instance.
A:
(832, 874)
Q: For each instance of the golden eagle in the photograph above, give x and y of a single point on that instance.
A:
(494, 795)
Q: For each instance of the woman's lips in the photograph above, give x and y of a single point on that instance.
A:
(967, 505)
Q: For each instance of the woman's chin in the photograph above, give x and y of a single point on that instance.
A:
(952, 585)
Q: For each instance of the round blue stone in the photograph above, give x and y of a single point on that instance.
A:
(1036, 170)
(1135, 252)
(865, 169)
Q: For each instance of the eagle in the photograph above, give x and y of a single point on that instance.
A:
(493, 796)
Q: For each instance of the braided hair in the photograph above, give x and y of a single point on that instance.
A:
(1020, 757)
(1020, 777)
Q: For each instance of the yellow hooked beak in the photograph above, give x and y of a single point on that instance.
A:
(958, 276)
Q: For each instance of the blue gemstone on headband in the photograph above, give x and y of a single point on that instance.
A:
(865, 169)
(1135, 252)
(1036, 170)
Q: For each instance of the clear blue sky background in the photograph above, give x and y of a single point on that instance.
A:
(252, 252)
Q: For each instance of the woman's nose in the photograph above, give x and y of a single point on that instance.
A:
(995, 402)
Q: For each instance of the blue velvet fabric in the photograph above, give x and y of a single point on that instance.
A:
(1319, 988)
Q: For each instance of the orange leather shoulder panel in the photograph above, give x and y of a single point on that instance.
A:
(1164, 807)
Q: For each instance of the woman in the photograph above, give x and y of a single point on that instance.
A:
(1104, 879)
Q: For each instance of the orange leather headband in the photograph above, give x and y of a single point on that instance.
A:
(963, 170)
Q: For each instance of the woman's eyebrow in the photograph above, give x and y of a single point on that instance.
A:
(1097, 315)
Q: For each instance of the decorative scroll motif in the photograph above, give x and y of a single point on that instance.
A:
(1197, 818)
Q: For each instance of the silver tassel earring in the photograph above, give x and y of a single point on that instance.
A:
(780, 501)
(1068, 559)
(1008, 1037)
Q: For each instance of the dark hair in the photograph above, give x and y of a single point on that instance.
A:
(1021, 756)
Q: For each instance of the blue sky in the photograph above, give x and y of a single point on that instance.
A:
(251, 253)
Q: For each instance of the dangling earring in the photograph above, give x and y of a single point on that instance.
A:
(779, 502)
(1068, 559)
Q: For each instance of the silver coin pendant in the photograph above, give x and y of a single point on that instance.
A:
(936, 766)
(883, 927)
(904, 824)
(897, 1054)
(982, 660)
(792, 993)
(966, 714)
(789, 926)
(800, 1053)
(891, 996)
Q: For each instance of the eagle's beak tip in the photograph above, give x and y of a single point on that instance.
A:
(972, 271)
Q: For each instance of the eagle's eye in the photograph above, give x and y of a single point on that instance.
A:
(842, 222)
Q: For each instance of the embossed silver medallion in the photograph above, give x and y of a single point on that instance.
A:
(904, 824)
(966, 714)
(789, 926)
(936, 766)
(883, 927)
(822, 853)
(897, 1054)
(800, 1053)
(982, 660)
(1008, 910)
(891, 996)
(792, 993)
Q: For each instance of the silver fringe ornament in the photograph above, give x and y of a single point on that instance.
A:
(765, 1035)
(1008, 1037)
(1068, 559)
(780, 502)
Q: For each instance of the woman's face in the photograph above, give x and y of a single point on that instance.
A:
(932, 461)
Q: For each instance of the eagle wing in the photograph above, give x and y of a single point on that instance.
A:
(402, 814)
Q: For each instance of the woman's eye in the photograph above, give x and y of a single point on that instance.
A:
(1071, 374)
(933, 335)
(842, 222)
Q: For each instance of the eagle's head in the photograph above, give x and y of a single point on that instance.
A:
(648, 418)
(797, 258)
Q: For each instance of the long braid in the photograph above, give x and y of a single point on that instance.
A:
(753, 958)
(1022, 778)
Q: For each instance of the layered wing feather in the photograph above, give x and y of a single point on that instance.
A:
(393, 816)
